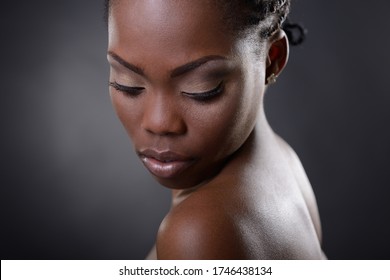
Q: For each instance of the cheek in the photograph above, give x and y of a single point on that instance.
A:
(222, 128)
(127, 111)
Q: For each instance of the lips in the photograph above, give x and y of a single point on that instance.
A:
(165, 164)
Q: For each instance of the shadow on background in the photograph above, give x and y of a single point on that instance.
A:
(71, 187)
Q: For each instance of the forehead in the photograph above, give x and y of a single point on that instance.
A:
(173, 31)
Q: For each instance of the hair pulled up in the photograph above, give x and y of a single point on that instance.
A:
(266, 16)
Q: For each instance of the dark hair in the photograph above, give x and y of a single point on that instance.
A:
(267, 16)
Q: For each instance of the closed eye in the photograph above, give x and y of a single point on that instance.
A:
(130, 91)
(206, 95)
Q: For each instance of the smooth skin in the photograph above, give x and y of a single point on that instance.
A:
(243, 193)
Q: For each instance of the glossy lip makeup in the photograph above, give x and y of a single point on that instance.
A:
(164, 164)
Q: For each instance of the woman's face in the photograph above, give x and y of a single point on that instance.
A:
(186, 90)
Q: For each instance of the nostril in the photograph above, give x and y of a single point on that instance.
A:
(171, 129)
(163, 120)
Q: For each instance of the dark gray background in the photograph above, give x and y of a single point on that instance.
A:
(71, 187)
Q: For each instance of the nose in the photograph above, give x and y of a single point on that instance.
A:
(162, 116)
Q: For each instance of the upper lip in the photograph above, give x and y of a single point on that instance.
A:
(163, 156)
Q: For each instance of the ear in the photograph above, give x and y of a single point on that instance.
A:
(277, 57)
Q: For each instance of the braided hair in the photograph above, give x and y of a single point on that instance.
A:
(265, 16)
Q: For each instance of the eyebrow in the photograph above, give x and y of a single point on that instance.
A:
(188, 67)
(126, 64)
(181, 70)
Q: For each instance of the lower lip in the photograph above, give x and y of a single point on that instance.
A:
(165, 170)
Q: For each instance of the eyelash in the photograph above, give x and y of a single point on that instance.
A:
(201, 96)
(130, 91)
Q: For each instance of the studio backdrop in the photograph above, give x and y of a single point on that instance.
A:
(72, 188)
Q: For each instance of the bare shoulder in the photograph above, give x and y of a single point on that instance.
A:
(247, 214)
(199, 228)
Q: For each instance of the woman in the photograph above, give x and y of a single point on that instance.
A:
(187, 80)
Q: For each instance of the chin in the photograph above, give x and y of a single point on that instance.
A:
(177, 183)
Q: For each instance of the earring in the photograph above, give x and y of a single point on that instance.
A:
(271, 79)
